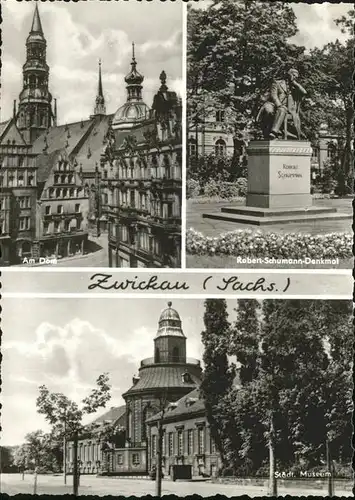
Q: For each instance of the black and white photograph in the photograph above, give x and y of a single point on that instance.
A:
(269, 134)
(91, 134)
(188, 396)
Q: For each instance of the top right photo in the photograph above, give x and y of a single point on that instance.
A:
(269, 135)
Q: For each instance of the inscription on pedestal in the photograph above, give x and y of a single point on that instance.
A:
(289, 172)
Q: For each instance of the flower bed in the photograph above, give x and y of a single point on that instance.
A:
(248, 243)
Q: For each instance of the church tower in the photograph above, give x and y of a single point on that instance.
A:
(34, 112)
(100, 108)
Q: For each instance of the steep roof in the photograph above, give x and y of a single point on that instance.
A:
(188, 405)
(113, 414)
(165, 376)
(10, 132)
(57, 137)
(89, 151)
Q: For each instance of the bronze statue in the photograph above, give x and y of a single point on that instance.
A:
(281, 110)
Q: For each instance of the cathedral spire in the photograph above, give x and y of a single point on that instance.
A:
(100, 108)
(36, 23)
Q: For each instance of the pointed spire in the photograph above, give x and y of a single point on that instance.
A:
(100, 108)
(100, 93)
(36, 23)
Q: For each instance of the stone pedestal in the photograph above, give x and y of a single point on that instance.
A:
(279, 187)
(279, 174)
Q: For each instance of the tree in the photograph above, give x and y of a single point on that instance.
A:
(294, 396)
(235, 49)
(218, 376)
(65, 415)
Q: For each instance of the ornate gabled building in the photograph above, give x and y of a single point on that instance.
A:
(126, 170)
(18, 195)
(141, 179)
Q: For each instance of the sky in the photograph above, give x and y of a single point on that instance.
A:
(67, 343)
(78, 34)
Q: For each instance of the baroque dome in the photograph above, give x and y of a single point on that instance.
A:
(129, 114)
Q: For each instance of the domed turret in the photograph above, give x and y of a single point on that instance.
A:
(134, 110)
(170, 341)
(170, 323)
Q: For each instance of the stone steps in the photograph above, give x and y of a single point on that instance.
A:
(277, 212)
(266, 220)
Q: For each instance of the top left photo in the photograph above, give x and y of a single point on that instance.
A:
(91, 134)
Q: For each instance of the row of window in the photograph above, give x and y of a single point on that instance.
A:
(136, 459)
(220, 147)
(181, 442)
(18, 181)
(64, 179)
(60, 209)
(86, 452)
(62, 226)
(155, 207)
(167, 172)
(57, 193)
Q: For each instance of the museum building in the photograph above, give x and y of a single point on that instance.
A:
(167, 390)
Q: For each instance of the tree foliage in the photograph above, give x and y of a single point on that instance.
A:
(295, 361)
(40, 451)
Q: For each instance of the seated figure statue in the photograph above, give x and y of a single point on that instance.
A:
(283, 102)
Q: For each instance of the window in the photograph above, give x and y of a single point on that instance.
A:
(46, 228)
(24, 223)
(220, 147)
(77, 207)
(21, 181)
(213, 446)
(24, 201)
(180, 442)
(59, 209)
(201, 440)
(31, 180)
(192, 147)
(190, 441)
(56, 226)
(135, 459)
(170, 444)
(132, 199)
(48, 209)
(220, 116)
(119, 459)
(154, 445)
(331, 150)
(11, 181)
(124, 233)
(175, 356)
(67, 225)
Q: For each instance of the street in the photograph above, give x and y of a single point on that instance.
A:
(100, 486)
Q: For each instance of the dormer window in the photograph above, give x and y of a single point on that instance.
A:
(186, 378)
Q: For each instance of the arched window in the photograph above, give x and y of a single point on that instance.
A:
(157, 355)
(192, 147)
(331, 150)
(175, 355)
(220, 147)
(220, 116)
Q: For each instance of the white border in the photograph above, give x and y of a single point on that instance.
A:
(183, 172)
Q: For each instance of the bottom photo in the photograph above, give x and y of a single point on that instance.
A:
(183, 396)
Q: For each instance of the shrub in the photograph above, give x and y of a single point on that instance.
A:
(248, 243)
(192, 188)
(225, 190)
